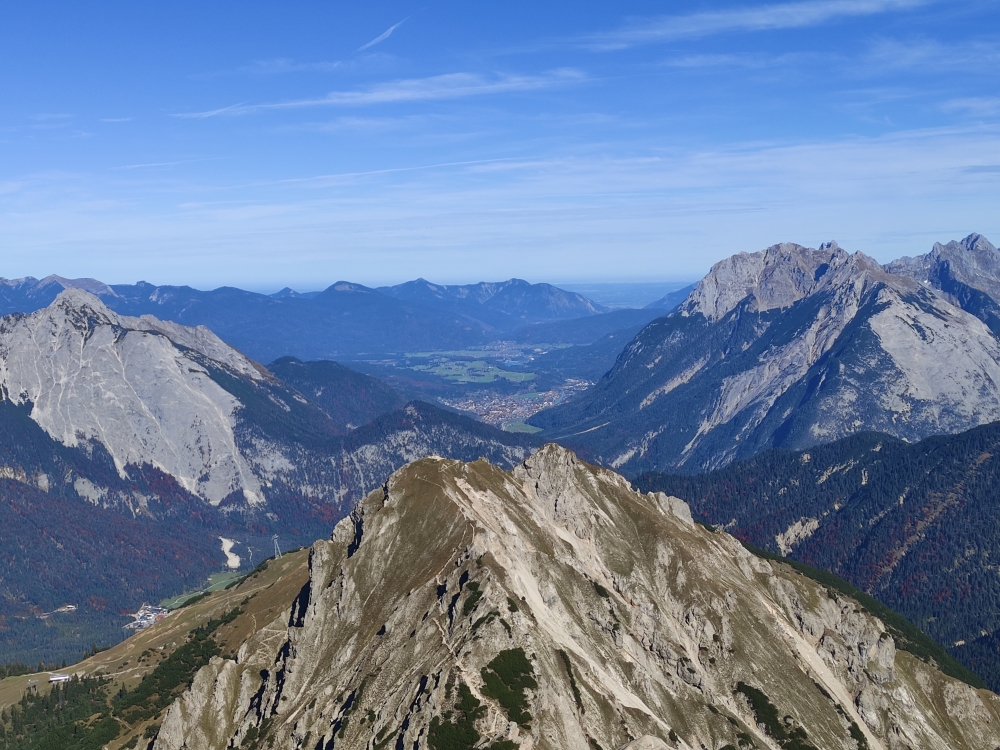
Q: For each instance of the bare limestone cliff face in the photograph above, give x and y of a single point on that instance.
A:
(180, 399)
(789, 347)
(551, 606)
(966, 273)
(776, 277)
(973, 261)
(132, 385)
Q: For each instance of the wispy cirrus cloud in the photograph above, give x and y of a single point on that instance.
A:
(326, 180)
(706, 61)
(929, 54)
(668, 211)
(381, 37)
(281, 65)
(149, 165)
(447, 86)
(272, 66)
(749, 19)
(710, 61)
(232, 109)
(978, 106)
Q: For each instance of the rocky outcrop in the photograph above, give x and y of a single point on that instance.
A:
(177, 398)
(776, 277)
(966, 273)
(551, 606)
(133, 386)
(909, 523)
(787, 347)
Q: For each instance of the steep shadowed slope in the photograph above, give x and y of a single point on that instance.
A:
(967, 273)
(348, 397)
(787, 347)
(914, 525)
(670, 301)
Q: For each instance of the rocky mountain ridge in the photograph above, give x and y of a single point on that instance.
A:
(778, 277)
(505, 304)
(551, 606)
(144, 429)
(343, 320)
(325, 383)
(787, 347)
(915, 525)
(134, 385)
(966, 273)
(172, 397)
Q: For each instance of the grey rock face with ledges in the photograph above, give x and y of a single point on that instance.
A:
(552, 607)
(790, 347)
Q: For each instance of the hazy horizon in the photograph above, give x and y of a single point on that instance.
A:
(613, 294)
(271, 146)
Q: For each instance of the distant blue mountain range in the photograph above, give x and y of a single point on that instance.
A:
(343, 320)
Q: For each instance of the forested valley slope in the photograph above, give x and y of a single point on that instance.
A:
(131, 445)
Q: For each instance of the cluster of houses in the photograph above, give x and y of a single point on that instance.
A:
(146, 616)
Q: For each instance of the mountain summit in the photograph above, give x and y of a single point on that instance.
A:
(776, 278)
(177, 398)
(552, 607)
(140, 387)
(504, 304)
(789, 347)
(966, 273)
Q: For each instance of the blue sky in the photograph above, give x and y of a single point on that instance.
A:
(265, 144)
